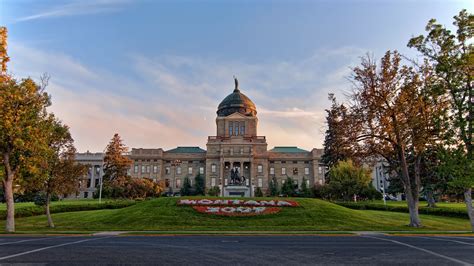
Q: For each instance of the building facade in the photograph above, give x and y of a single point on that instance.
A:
(90, 182)
(236, 159)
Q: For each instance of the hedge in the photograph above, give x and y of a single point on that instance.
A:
(440, 211)
(39, 210)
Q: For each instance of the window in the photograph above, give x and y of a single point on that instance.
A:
(272, 170)
(260, 182)
(97, 169)
(143, 169)
(306, 162)
(190, 170)
(242, 128)
(320, 170)
(190, 162)
(272, 161)
(283, 161)
(307, 182)
(97, 182)
(89, 182)
(306, 170)
(148, 169)
(135, 168)
(178, 183)
(236, 127)
(213, 168)
(178, 170)
(86, 194)
(213, 182)
(155, 169)
(259, 168)
(167, 170)
(167, 182)
(231, 128)
(201, 170)
(241, 150)
(295, 162)
(283, 171)
(295, 171)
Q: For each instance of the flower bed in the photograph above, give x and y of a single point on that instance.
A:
(236, 211)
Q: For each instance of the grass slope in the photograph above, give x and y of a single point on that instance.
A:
(164, 215)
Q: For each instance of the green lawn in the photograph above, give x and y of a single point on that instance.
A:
(19, 205)
(454, 205)
(164, 215)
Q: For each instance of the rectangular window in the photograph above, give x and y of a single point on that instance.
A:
(155, 169)
(260, 182)
(190, 170)
(283, 161)
(143, 169)
(241, 150)
(167, 170)
(135, 169)
(259, 168)
(272, 170)
(89, 183)
(236, 127)
(148, 169)
(178, 183)
(178, 170)
(307, 182)
(213, 182)
(295, 162)
(306, 170)
(201, 170)
(283, 171)
(167, 182)
(242, 128)
(231, 128)
(213, 168)
(320, 170)
(97, 169)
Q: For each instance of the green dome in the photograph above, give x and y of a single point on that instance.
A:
(236, 102)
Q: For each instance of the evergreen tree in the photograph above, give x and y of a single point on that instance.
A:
(186, 190)
(116, 164)
(273, 187)
(258, 192)
(305, 191)
(199, 185)
(288, 188)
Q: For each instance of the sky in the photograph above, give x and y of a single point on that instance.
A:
(155, 71)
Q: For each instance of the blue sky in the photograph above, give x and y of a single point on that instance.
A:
(155, 71)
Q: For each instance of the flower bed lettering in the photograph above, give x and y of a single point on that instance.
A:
(236, 211)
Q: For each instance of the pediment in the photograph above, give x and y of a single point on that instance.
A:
(236, 115)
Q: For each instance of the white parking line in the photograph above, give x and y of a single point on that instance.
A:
(420, 249)
(440, 239)
(28, 240)
(49, 247)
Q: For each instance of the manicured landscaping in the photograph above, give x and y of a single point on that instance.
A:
(163, 214)
(442, 209)
(26, 209)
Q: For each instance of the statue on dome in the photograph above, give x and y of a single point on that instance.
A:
(236, 81)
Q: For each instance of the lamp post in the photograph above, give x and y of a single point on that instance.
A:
(175, 163)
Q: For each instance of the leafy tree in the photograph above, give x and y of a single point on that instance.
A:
(394, 115)
(132, 188)
(23, 108)
(452, 56)
(288, 188)
(61, 173)
(273, 187)
(336, 144)
(186, 190)
(116, 164)
(258, 192)
(214, 191)
(199, 185)
(348, 180)
(305, 191)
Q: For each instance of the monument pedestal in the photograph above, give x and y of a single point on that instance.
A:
(236, 191)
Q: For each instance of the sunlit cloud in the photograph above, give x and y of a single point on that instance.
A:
(174, 100)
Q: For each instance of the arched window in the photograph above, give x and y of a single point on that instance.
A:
(230, 129)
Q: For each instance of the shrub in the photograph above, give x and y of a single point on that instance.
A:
(258, 192)
(214, 191)
(131, 188)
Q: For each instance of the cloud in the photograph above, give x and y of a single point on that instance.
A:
(174, 100)
(77, 8)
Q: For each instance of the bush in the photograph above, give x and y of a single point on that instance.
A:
(39, 210)
(258, 192)
(131, 188)
(370, 193)
(439, 211)
(214, 191)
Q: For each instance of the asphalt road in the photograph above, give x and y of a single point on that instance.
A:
(228, 250)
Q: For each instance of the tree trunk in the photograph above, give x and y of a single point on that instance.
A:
(412, 203)
(8, 190)
(48, 213)
(430, 198)
(470, 211)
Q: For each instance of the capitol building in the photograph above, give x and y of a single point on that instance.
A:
(236, 158)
